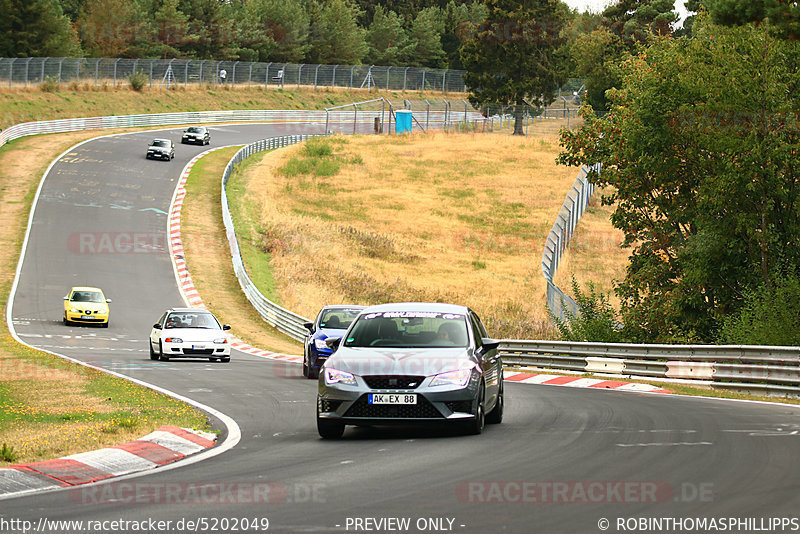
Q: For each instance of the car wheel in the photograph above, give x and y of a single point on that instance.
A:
(104, 325)
(313, 373)
(225, 359)
(153, 355)
(496, 415)
(305, 368)
(66, 323)
(161, 353)
(329, 429)
(475, 426)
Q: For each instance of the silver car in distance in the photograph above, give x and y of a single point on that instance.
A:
(411, 363)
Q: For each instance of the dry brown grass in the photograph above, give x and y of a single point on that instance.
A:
(208, 257)
(447, 217)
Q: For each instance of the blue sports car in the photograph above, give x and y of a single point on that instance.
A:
(331, 321)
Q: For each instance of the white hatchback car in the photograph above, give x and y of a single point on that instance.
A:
(189, 333)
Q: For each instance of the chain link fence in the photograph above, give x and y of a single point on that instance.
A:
(172, 72)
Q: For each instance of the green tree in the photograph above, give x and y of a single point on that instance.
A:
(703, 175)
(425, 35)
(276, 30)
(511, 58)
(35, 28)
(336, 38)
(386, 38)
(459, 21)
(597, 57)
(107, 28)
(213, 24)
(783, 15)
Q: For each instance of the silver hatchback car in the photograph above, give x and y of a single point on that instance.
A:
(411, 363)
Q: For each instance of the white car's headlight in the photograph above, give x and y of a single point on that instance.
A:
(173, 340)
(221, 340)
(458, 378)
(335, 376)
(321, 344)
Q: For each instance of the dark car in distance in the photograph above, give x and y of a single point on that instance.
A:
(331, 321)
(197, 135)
(161, 149)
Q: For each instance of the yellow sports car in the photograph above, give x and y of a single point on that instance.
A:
(86, 305)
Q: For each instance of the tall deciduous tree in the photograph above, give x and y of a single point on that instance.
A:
(511, 56)
(700, 149)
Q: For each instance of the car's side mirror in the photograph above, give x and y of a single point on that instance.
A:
(333, 343)
(226, 327)
(108, 300)
(489, 344)
(157, 326)
(66, 298)
(309, 327)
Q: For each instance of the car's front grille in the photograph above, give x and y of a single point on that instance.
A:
(198, 351)
(393, 382)
(464, 406)
(423, 409)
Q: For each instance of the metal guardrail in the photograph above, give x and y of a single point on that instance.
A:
(184, 72)
(745, 368)
(279, 318)
(558, 239)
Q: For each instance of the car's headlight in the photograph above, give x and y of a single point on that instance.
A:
(173, 340)
(74, 310)
(221, 340)
(458, 378)
(335, 376)
(321, 344)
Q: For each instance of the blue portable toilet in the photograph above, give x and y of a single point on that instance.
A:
(403, 121)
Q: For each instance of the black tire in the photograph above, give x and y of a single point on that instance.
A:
(305, 369)
(66, 323)
(329, 429)
(495, 417)
(153, 355)
(225, 359)
(475, 426)
(161, 353)
(313, 374)
(104, 325)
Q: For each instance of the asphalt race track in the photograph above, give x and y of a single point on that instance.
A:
(563, 460)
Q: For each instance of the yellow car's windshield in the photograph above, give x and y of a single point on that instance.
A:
(87, 296)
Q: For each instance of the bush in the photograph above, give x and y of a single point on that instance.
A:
(768, 316)
(49, 85)
(7, 453)
(138, 80)
(595, 319)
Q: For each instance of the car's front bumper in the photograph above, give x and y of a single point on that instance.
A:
(82, 317)
(349, 404)
(196, 349)
(193, 140)
(159, 155)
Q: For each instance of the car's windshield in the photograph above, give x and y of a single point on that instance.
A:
(191, 320)
(87, 296)
(194, 129)
(338, 318)
(160, 143)
(409, 330)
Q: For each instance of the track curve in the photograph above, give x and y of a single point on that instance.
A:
(562, 460)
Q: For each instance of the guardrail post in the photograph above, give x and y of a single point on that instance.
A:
(333, 79)
(60, 63)
(427, 114)
(315, 76)
(355, 117)
(387, 77)
(42, 75)
(233, 76)
(444, 74)
(422, 88)
(115, 71)
(405, 72)
(200, 77)
(299, 70)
